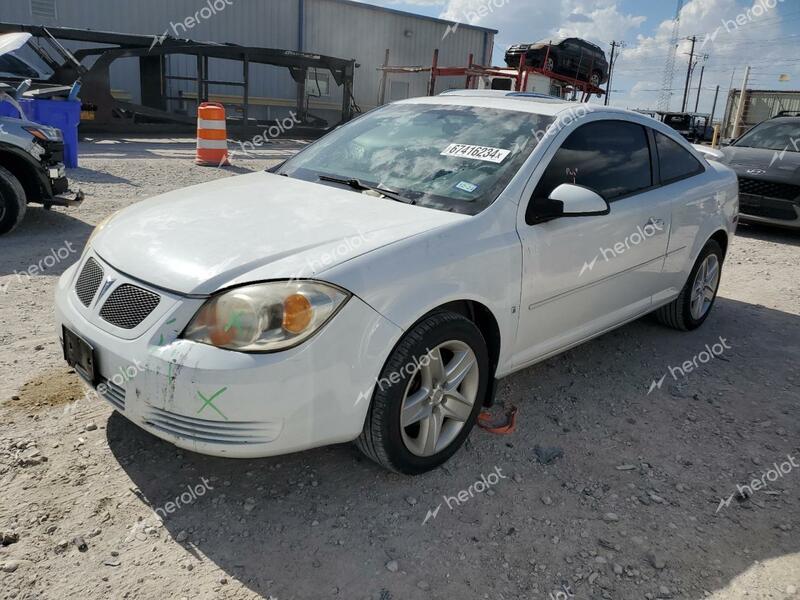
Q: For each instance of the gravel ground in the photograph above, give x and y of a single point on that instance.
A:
(635, 507)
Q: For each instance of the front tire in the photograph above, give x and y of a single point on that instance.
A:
(12, 201)
(428, 396)
(692, 307)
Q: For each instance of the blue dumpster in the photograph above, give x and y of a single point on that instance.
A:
(61, 114)
(9, 110)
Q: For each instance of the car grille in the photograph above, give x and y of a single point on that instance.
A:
(129, 305)
(769, 189)
(89, 280)
(114, 394)
(211, 432)
(765, 207)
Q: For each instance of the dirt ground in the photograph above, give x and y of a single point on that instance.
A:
(642, 504)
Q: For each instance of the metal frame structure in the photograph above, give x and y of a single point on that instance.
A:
(473, 71)
(112, 114)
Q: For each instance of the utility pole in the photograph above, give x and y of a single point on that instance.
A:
(737, 123)
(614, 46)
(699, 87)
(714, 110)
(693, 39)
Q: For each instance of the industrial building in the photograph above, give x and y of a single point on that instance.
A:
(338, 28)
(759, 106)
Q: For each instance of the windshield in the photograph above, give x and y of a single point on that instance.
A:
(773, 136)
(454, 158)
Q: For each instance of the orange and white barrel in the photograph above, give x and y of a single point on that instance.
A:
(212, 136)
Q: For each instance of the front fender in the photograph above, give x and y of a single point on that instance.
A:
(31, 174)
(478, 259)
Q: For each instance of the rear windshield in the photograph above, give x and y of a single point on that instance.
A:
(454, 158)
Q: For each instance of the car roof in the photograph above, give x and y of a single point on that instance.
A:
(783, 119)
(559, 41)
(518, 101)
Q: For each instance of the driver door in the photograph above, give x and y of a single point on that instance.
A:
(583, 275)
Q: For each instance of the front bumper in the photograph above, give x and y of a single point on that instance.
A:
(225, 403)
(769, 211)
(60, 194)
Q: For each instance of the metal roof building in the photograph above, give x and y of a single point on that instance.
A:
(341, 28)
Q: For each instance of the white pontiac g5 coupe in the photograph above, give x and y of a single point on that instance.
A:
(377, 284)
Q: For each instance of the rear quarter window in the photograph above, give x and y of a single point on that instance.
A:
(675, 162)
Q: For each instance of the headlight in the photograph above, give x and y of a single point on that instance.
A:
(46, 134)
(97, 230)
(265, 317)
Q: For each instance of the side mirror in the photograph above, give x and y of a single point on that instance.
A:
(569, 200)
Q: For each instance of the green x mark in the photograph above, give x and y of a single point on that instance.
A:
(234, 321)
(210, 402)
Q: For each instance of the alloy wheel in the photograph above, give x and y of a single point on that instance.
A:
(439, 398)
(704, 289)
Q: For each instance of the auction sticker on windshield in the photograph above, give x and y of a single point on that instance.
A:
(485, 153)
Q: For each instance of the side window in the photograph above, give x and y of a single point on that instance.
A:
(674, 161)
(609, 157)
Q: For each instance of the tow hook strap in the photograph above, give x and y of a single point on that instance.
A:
(502, 424)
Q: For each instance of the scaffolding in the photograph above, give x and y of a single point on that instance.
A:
(518, 77)
(108, 113)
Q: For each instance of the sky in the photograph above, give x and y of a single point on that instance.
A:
(731, 34)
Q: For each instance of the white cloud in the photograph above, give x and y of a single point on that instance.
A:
(759, 40)
(764, 40)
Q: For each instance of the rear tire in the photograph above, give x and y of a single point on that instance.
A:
(688, 311)
(12, 201)
(418, 393)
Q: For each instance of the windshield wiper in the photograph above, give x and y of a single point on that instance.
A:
(359, 185)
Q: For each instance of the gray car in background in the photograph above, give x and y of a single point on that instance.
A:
(767, 161)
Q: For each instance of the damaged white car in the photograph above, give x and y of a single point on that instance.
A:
(376, 285)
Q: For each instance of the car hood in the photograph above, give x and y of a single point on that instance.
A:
(253, 227)
(758, 163)
(13, 41)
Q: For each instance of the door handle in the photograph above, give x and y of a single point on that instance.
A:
(656, 223)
